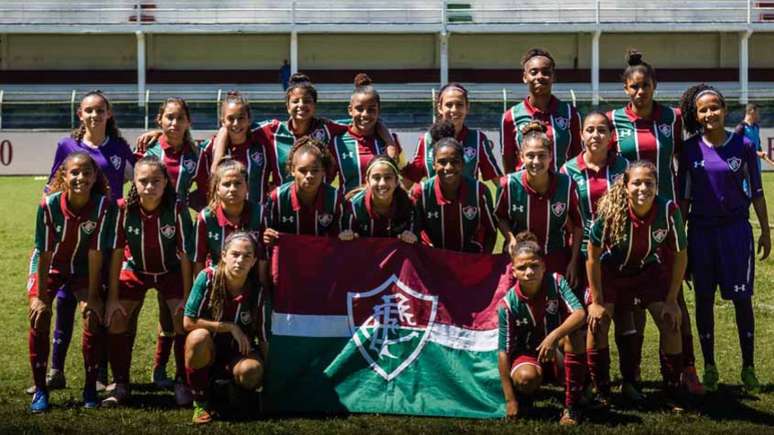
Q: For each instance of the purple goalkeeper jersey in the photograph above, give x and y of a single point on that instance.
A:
(719, 182)
(111, 157)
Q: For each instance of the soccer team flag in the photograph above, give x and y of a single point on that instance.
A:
(379, 326)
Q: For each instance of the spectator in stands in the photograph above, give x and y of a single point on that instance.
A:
(284, 74)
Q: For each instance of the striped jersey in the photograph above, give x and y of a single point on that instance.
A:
(360, 217)
(253, 154)
(524, 322)
(657, 139)
(548, 215)
(284, 211)
(562, 121)
(480, 161)
(464, 224)
(245, 309)
(591, 185)
(213, 226)
(181, 165)
(352, 153)
(663, 226)
(70, 234)
(153, 242)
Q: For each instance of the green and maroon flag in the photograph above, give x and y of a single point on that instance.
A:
(379, 326)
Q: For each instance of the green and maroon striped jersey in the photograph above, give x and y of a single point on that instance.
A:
(352, 152)
(181, 165)
(253, 154)
(285, 212)
(213, 226)
(360, 217)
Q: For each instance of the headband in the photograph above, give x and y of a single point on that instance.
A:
(707, 92)
(385, 162)
(455, 87)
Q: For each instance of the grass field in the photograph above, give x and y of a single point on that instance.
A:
(728, 411)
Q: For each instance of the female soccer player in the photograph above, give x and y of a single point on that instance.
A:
(535, 316)
(380, 209)
(453, 211)
(719, 178)
(306, 205)
(150, 250)
(224, 320)
(353, 149)
(561, 119)
(70, 233)
(228, 211)
(634, 226)
(543, 202)
(452, 106)
(647, 130)
(236, 118)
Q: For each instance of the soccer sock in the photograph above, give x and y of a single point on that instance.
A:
(626, 343)
(745, 325)
(198, 380)
(705, 325)
(671, 370)
(179, 341)
(120, 352)
(63, 328)
(574, 377)
(599, 368)
(38, 345)
(92, 351)
(163, 349)
(637, 340)
(689, 357)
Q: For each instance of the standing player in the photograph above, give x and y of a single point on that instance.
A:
(634, 226)
(150, 250)
(750, 129)
(453, 211)
(353, 149)
(306, 205)
(719, 178)
(561, 119)
(647, 130)
(543, 202)
(380, 209)
(537, 315)
(224, 320)
(452, 106)
(70, 235)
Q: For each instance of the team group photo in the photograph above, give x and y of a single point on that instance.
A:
(354, 217)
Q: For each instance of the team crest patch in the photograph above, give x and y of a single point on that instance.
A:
(189, 166)
(552, 306)
(116, 161)
(325, 219)
(665, 129)
(470, 212)
(257, 157)
(470, 153)
(561, 122)
(734, 163)
(660, 235)
(168, 231)
(558, 208)
(88, 227)
(391, 325)
(245, 318)
(318, 134)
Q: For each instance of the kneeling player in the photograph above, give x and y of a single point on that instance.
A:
(223, 316)
(532, 323)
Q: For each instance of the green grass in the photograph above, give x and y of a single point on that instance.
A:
(729, 411)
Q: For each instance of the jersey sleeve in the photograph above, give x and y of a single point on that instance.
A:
(338, 212)
(415, 169)
(677, 239)
(677, 132)
(44, 231)
(613, 135)
(193, 306)
(574, 212)
(347, 221)
(753, 169)
(571, 302)
(504, 328)
(487, 163)
(200, 244)
(597, 232)
(508, 146)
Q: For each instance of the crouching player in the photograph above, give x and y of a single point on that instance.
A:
(534, 316)
(224, 320)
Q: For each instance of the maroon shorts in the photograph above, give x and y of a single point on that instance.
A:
(557, 261)
(133, 285)
(56, 280)
(549, 370)
(642, 288)
(227, 356)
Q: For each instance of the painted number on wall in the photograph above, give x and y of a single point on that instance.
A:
(6, 152)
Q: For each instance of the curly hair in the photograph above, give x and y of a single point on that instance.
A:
(187, 139)
(613, 206)
(219, 290)
(224, 165)
(688, 105)
(111, 128)
(307, 144)
(59, 184)
(168, 199)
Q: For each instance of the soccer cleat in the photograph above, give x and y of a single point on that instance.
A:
(570, 417)
(690, 381)
(749, 380)
(201, 414)
(118, 396)
(160, 379)
(710, 378)
(56, 380)
(31, 390)
(90, 399)
(632, 393)
(183, 395)
(39, 402)
(102, 379)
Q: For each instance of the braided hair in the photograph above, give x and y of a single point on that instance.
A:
(169, 197)
(688, 105)
(58, 184)
(613, 206)
(111, 128)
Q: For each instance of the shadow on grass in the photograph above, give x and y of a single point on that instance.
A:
(726, 405)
